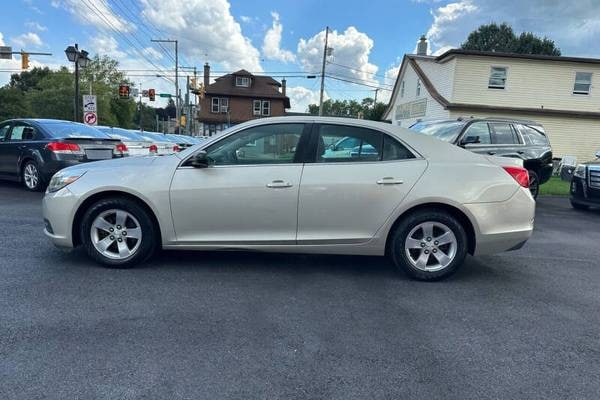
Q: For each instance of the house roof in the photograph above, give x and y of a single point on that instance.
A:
(261, 87)
(410, 59)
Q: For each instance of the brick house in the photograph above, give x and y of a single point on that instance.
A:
(239, 97)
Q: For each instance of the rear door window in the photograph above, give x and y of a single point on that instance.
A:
(4, 132)
(533, 136)
(480, 129)
(342, 143)
(23, 132)
(503, 133)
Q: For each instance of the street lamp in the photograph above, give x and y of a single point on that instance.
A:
(80, 59)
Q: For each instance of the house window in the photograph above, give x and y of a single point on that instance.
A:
(243, 81)
(256, 107)
(219, 105)
(583, 83)
(402, 89)
(418, 87)
(266, 107)
(497, 78)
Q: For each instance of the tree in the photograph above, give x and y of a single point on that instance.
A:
(12, 103)
(501, 38)
(366, 109)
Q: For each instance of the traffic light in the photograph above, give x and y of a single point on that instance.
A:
(24, 60)
(124, 91)
(152, 94)
(183, 120)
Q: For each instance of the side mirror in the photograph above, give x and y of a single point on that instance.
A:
(470, 140)
(200, 160)
(598, 154)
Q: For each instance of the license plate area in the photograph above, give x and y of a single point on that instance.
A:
(98, 154)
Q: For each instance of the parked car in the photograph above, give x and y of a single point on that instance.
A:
(136, 144)
(585, 185)
(423, 202)
(524, 140)
(32, 150)
(163, 144)
(182, 141)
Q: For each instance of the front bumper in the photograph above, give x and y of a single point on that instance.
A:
(582, 193)
(58, 214)
(505, 225)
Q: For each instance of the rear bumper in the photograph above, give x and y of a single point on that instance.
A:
(503, 226)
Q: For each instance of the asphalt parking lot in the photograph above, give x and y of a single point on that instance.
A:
(521, 325)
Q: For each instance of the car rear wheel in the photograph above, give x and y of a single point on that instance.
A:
(534, 184)
(579, 206)
(429, 245)
(118, 233)
(31, 177)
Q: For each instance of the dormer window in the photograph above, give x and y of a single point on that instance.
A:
(242, 81)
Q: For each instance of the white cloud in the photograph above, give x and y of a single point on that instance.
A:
(301, 97)
(204, 28)
(574, 28)
(36, 25)
(351, 49)
(106, 45)
(96, 13)
(272, 43)
(245, 19)
(27, 39)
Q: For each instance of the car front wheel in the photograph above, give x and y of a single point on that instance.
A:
(429, 245)
(118, 233)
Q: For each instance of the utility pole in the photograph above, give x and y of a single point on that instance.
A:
(375, 101)
(141, 111)
(323, 72)
(177, 94)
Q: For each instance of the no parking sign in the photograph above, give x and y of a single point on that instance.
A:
(90, 118)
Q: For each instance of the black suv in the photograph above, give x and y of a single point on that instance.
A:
(498, 137)
(585, 185)
(32, 150)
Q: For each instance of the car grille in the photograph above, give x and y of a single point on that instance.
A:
(594, 178)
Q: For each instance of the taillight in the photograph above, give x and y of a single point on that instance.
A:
(176, 149)
(519, 174)
(63, 148)
(153, 148)
(121, 149)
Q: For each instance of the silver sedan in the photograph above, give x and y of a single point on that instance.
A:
(274, 184)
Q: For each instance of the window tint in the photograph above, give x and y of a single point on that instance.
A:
(480, 129)
(60, 130)
(503, 133)
(533, 136)
(394, 150)
(4, 132)
(266, 144)
(22, 132)
(347, 143)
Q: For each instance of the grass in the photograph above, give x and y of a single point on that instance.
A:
(555, 187)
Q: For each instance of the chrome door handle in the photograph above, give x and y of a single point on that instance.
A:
(390, 181)
(491, 153)
(277, 184)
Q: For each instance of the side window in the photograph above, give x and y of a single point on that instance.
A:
(265, 144)
(533, 136)
(480, 129)
(339, 143)
(22, 132)
(503, 133)
(394, 150)
(4, 132)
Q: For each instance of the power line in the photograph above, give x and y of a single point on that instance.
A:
(357, 83)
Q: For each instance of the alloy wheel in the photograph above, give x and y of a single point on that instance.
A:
(31, 176)
(430, 246)
(116, 234)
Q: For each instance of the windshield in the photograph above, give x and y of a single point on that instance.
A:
(120, 133)
(444, 130)
(62, 130)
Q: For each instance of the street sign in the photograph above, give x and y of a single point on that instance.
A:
(165, 95)
(5, 53)
(90, 118)
(89, 103)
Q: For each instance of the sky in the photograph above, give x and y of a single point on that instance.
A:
(278, 37)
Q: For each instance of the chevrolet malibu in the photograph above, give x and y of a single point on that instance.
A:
(272, 185)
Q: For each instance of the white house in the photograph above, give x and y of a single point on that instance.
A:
(562, 93)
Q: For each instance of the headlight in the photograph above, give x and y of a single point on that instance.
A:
(62, 179)
(580, 171)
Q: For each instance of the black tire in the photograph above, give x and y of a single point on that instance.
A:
(149, 234)
(534, 184)
(36, 184)
(579, 206)
(403, 229)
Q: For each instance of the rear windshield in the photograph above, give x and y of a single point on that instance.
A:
(447, 131)
(63, 130)
(120, 133)
(155, 136)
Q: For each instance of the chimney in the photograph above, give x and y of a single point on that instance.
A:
(422, 46)
(206, 75)
(283, 82)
